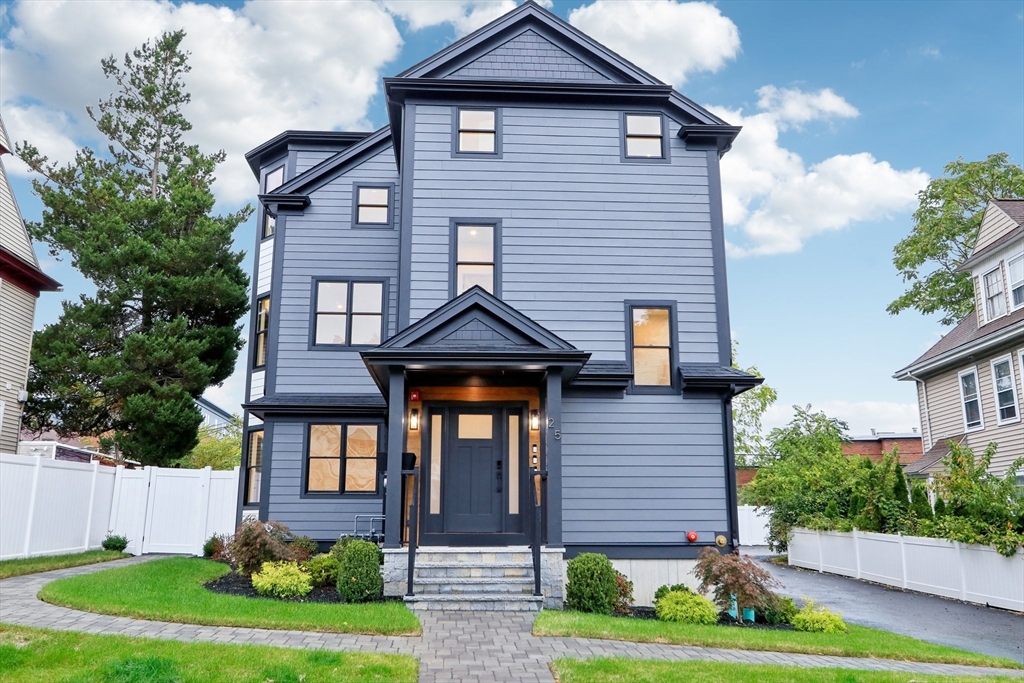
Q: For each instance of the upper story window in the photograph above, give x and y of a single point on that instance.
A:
(342, 458)
(477, 132)
(1005, 387)
(1016, 271)
(348, 313)
(651, 345)
(995, 301)
(475, 262)
(644, 136)
(269, 223)
(373, 206)
(971, 400)
(259, 358)
(254, 463)
(271, 182)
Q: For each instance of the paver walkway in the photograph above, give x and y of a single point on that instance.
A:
(456, 646)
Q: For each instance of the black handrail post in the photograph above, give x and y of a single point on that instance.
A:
(413, 508)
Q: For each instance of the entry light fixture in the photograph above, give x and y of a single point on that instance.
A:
(534, 420)
(414, 420)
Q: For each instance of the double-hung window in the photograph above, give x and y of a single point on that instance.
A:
(373, 206)
(271, 182)
(1005, 386)
(477, 132)
(995, 301)
(475, 262)
(254, 463)
(1015, 267)
(970, 398)
(259, 358)
(342, 458)
(652, 348)
(644, 136)
(348, 313)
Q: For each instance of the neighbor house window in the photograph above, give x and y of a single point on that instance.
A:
(652, 346)
(262, 326)
(1005, 386)
(373, 206)
(995, 302)
(342, 458)
(349, 313)
(477, 131)
(474, 257)
(252, 467)
(1016, 270)
(971, 400)
(644, 136)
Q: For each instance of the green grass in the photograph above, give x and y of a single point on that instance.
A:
(172, 590)
(34, 565)
(640, 671)
(860, 641)
(31, 655)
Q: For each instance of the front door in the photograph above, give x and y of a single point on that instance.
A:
(474, 472)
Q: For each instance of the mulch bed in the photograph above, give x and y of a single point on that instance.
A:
(723, 619)
(235, 583)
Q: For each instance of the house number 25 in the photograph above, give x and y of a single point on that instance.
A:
(558, 432)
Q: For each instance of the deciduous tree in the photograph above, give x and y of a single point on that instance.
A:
(747, 410)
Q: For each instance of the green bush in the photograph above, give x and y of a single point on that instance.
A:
(686, 608)
(734, 577)
(338, 549)
(666, 589)
(919, 504)
(302, 548)
(115, 542)
(623, 595)
(323, 570)
(813, 618)
(281, 580)
(359, 577)
(592, 586)
(256, 542)
(782, 612)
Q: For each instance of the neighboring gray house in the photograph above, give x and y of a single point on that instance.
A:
(525, 269)
(215, 418)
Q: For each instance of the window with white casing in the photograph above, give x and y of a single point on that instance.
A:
(970, 399)
(1004, 384)
(995, 300)
(1015, 267)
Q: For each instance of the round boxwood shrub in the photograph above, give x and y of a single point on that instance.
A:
(281, 580)
(115, 542)
(816, 619)
(323, 570)
(592, 586)
(686, 608)
(666, 589)
(359, 577)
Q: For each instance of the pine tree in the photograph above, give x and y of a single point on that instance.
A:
(899, 488)
(126, 363)
(940, 508)
(919, 501)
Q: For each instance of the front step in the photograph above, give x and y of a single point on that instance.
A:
(500, 602)
(461, 578)
(443, 585)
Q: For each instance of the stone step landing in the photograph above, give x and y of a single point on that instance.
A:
(462, 578)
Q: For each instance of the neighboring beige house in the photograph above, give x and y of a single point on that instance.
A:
(21, 281)
(969, 385)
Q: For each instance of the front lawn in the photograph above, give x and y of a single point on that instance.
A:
(34, 565)
(31, 655)
(172, 590)
(860, 641)
(642, 671)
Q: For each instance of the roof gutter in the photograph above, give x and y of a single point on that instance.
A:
(961, 351)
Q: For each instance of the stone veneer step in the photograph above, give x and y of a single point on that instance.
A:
(443, 585)
(495, 602)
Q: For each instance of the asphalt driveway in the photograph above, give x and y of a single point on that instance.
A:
(967, 626)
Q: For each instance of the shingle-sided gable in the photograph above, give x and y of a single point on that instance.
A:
(529, 56)
(1003, 217)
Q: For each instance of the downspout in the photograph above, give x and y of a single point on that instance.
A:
(927, 417)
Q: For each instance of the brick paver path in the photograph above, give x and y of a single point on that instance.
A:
(456, 646)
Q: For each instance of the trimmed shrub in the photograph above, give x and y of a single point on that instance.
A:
(338, 549)
(940, 508)
(115, 542)
(666, 589)
(624, 595)
(302, 548)
(256, 542)
(216, 547)
(781, 613)
(323, 570)
(686, 608)
(919, 501)
(359, 577)
(281, 580)
(592, 586)
(813, 618)
(734, 576)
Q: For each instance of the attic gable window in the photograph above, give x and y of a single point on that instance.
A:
(995, 301)
(644, 136)
(477, 132)
(1016, 270)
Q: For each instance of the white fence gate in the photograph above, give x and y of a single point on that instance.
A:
(753, 527)
(973, 573)
(50, 507)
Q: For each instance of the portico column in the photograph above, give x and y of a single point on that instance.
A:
(553, 454)
(396, 444)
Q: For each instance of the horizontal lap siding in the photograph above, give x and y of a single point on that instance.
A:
(642, 470)
(306, 159)
(322, 243)
(323, 520)
(581, 231)
(17, 311)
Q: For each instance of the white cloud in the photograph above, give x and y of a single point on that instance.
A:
(666, 38)
(861, 416)
(229, 394)
(777, 202)
(51, 133)
(464, 15)
(256, 71)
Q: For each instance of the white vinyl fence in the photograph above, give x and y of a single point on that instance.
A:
(973, 573)
(753, 527)
(50, 507)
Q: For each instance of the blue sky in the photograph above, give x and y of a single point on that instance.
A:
(848, 109)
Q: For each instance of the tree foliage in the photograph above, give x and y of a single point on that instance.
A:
(945, 229)
(126, 363)
(747, 410)
(219, 448)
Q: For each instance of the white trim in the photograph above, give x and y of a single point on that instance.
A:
(985, 295)
(963, 400)
(1008, 358)
(1010, 287)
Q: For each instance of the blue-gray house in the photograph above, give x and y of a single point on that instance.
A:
(517, 289)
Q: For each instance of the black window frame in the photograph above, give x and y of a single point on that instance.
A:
(381, 458)
(673, 338)
(453, 253)
(314, 305)
(269, 219)
(269, 225)
(389, 223)
(665, 154)
(457, 153)
(258, 333)
(249, 467)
